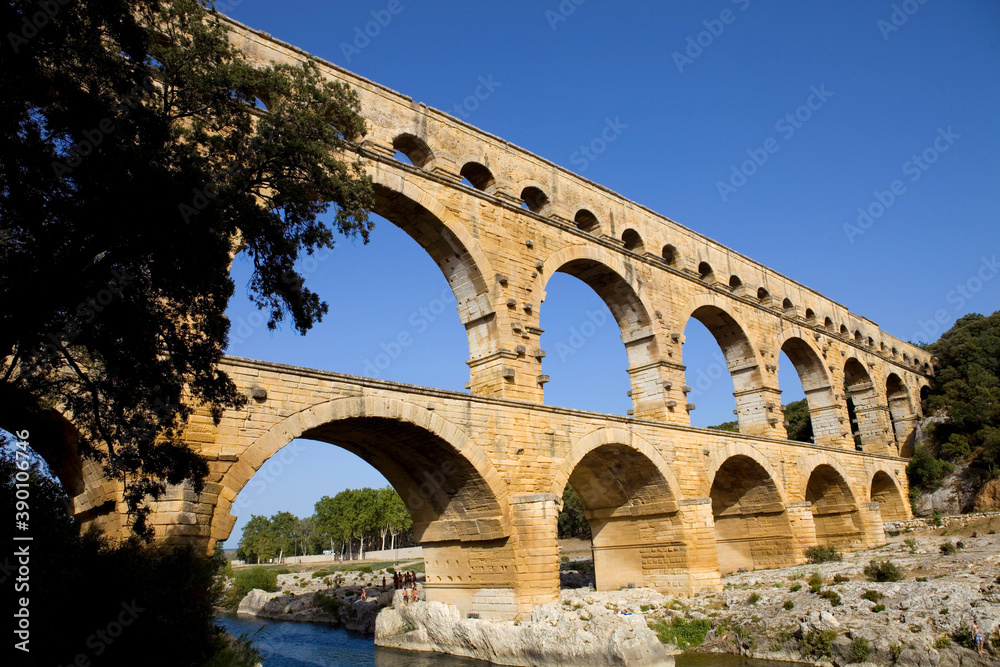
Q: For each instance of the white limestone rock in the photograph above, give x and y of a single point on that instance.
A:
(254, 601)
(553, 635)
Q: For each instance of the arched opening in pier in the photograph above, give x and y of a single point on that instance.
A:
(901, 414)
(453, 495)
(633, 516)
(426, 325)
(585, 362)
(866, 411)
(720, 365)
(890, 501)
(751, 524)
(834, 509)
(810, 408)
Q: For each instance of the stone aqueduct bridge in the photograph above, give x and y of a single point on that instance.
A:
(671, 506)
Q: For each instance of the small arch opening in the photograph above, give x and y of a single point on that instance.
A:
(787, 304)
(416, 150)
(735, 282)
(632, 240)
(828, 324)
(763, 295)
(586, 221)
(810, 315)
(670, 255)
(534, 199)
(479, 177)
(895, 352)
(705, 271)
(858, 336)
(843, 330)
(871, 342)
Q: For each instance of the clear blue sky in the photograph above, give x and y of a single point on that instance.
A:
(698, 85)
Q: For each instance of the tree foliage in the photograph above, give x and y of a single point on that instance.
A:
(135, 159)
(365, 516)
(967, 390)
(798, 422)
(965, 396)
(572, 522)
(732, 427)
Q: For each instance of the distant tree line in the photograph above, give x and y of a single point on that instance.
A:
(354, 518)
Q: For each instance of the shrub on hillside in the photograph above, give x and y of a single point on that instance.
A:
(818, 643)
(859, 650)
(823, 554)
(883, 570)
(682, 632)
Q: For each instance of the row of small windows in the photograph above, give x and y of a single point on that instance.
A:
(416, 151)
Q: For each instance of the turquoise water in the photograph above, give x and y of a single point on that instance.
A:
(311, 645)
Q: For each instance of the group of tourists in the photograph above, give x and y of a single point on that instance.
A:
(404, 580)
(408, 582)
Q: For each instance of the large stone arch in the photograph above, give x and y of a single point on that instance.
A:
(758, 398)
(884, 490)
(901, 412)
(450, 244)
(618, 283)
(457, 498)
(631, 499)
(870, 419)
(824, 412)
(752, 525)
(833, 503)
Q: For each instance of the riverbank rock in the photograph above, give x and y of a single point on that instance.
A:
(341, 607)
(254, 601)
(584, 634)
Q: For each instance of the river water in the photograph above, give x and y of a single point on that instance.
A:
(287, 644)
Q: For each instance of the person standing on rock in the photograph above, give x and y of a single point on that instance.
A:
(978, 636)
